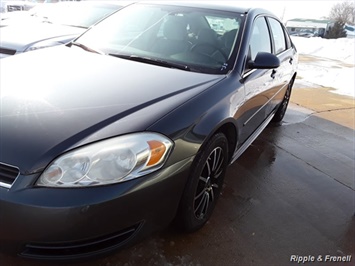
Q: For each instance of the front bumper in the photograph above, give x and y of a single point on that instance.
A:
(58, 223)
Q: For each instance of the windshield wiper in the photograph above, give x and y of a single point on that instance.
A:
(76, 26)
(86, 48)
(153, 61)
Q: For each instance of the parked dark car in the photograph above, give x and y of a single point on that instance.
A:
(7, 6)
(50, 24)
(133, 124)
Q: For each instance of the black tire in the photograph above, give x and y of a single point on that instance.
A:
(204, 185)
(280, 113)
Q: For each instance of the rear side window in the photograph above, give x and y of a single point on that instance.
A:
(278, 35)
(260, 39)
(221, 25)
(288, 40)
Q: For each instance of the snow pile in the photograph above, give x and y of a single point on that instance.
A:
(342, 49)
(334, 65)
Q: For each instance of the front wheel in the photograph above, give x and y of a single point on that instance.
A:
(204, 184)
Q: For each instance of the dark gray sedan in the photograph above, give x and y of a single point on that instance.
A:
(133, 124)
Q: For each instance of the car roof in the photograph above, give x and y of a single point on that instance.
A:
(233, 6)
(90, 3)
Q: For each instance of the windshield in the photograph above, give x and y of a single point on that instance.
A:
(199, 39)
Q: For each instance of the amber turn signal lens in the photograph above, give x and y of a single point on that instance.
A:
(157, 151)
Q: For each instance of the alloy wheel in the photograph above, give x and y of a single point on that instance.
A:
(209, 183)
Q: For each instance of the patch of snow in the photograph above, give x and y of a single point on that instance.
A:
(342, 49)
(334, 66)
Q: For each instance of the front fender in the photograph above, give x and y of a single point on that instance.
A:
(195, 121)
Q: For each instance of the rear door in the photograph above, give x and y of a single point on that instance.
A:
(282, 48)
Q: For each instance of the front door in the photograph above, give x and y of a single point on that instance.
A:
(257, 82)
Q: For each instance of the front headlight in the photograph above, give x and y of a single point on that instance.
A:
(109, 161)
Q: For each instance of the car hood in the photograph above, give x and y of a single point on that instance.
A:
(53, 99)
(20, 37)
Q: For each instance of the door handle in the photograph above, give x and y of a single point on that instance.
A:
(273, 73)
(291, 61)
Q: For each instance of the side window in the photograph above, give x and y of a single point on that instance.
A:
(278, 35)
(288, 40)
(260, 39)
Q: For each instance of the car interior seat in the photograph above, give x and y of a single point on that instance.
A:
(207, 43)
(228, 41)
(175, 37)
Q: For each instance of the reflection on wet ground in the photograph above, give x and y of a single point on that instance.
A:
(290, 193)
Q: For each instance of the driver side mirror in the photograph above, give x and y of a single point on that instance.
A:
(264, 60)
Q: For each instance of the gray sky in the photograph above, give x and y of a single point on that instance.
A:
(286, 10)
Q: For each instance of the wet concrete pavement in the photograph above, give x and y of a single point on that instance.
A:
(290, 194)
